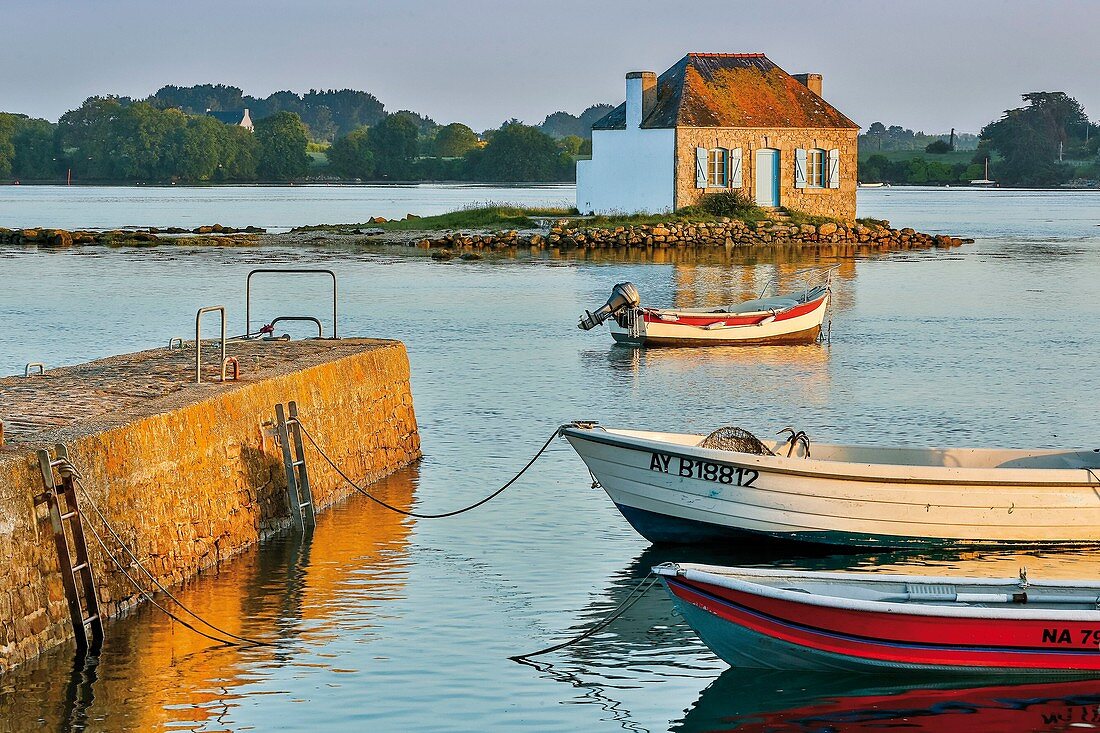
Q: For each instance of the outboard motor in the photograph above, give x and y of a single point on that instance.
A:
(623, 295)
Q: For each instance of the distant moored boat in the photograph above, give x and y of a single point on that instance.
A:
(788, 318)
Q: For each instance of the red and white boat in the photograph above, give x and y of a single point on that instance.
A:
(790, 318)
(862, 622)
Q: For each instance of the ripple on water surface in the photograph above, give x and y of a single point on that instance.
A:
(405, 624)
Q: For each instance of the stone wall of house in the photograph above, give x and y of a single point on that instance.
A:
(835, 203)
(192, 476)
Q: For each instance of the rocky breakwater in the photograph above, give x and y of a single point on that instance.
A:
(721, 233)
(120, 237)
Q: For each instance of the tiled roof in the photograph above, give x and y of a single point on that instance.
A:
(228, 116)
(731, 90)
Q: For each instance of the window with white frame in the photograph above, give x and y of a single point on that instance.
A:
(816, 176)
(717, 165)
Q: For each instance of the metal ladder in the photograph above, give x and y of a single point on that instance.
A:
(299, 497)
(77, 578)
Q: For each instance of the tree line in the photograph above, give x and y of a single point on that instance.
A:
(169, 137)
(881, 138)
(1047, 142)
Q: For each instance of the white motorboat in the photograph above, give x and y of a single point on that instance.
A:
(728, 486)
(789, 318)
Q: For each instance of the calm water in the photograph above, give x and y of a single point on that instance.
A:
(276, 208)
(402, 625)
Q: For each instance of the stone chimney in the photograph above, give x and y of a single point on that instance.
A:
(641, 95)
(811, 82)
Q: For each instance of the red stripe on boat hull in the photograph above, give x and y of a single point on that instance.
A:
(903, 639)
(708, 319)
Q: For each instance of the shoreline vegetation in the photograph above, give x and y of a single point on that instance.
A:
(507, 231)
(202, 135)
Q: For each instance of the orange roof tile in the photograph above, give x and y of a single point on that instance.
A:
(731, 90)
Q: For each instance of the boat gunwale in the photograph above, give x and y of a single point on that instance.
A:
(695, 573)
(720, 315)
(872, 472)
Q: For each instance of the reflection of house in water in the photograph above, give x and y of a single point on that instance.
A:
(741, 373)
(155, 674)
(704, 285)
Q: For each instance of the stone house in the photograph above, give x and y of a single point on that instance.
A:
(715, 122)
(239, 117)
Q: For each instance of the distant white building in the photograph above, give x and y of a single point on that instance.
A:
(239, 117)
(721, 121)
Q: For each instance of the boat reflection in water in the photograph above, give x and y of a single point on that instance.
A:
(750, 701)
(650, 648)
(751, 374)
(292, 589)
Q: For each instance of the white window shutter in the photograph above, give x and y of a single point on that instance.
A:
(700, 167)
(800, 168)
(735, 168)
(834, 168)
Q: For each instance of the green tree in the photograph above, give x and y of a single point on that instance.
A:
(394, 143)
(938, 147)
(83, 137)
(873, 169)
(242, 155)
(36, 153)
(283, 139)
(199, 98)
(518, 152)
(202, 149)
(563, 124)
(351, 157)
(454, 141)
(1028, 139)
(9, 124)
(571, 145)
(144, 143)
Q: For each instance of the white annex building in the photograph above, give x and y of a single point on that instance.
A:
(721, 121)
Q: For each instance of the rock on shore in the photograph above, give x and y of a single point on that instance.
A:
(214, 234)
(726, 233)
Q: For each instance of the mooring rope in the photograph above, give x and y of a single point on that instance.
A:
(417, 515)
(633, 597)
(67, 466)
(149, 597)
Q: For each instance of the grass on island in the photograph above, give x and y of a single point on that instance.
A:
(498, 217)
(491, 217)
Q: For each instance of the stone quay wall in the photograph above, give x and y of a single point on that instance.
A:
(188, 474)
(722, 233)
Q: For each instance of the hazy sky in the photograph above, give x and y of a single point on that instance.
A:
(925, 64)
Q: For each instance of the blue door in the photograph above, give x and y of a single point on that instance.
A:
(767, 177)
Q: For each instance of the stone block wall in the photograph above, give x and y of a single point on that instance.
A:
(830, 202)
(195, 477)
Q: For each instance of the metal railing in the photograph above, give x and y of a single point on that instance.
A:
(32, 365)
(311, 319)
(198, 340)
(286, 271)
(808, 277)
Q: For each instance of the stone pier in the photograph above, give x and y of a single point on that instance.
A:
(189, 474)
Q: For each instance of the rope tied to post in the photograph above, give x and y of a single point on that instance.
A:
(418, 515)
